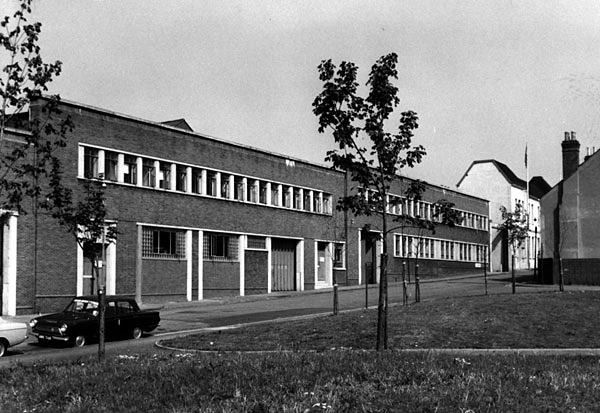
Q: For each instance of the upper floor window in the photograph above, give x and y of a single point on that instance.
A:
(239, 188)
(306, 201)
(287, 196)
(196, 181)
(148, 173)
(130, 170)
(181, 183)
(275, 194)
(211, 183)
(164, 181)
(111, 165)
(262, 198)
(90, 162)
(224, 186)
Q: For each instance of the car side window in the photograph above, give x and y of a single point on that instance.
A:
(124, 307)
(111, 309)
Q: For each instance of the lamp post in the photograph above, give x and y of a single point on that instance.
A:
(102, 290)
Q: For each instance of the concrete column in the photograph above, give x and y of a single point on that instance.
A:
(204, 183)
(359, 257)
(79, 287)
(188, 180)
(140, 171)
(245, 189)
(200, 265)
(111, 268)
(269, 265)
(120, 168)
(188, 257)
(301, 199)
(268, 190)
(300, 266)
(138, 266)
(231, 194)
(241, 254)
(311, 201)
(280, 195)
(9, 267)
(173, 186)
(256, 186)
(101, 167)
(81, 162)
(217, 184)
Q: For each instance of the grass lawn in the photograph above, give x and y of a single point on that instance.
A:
(541, 320)
(344, 381)
(294, 382)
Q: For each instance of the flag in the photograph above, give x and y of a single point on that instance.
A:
(526, 155)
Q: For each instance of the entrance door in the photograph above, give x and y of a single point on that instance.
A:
(283, 265)
(90, 286)
(324, 261)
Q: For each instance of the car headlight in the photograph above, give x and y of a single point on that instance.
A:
(33, 322)
(62, 329)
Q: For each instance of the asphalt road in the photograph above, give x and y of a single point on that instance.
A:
(184, 318)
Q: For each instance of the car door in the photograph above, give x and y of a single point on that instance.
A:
(126, 315)
(111, 320)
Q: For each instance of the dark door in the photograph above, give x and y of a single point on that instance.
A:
(283, 265)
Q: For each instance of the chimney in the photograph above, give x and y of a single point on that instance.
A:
(570, 154)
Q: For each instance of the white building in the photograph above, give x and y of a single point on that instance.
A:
(496, 182)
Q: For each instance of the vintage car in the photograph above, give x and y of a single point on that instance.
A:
(11, 334)
(78, 322)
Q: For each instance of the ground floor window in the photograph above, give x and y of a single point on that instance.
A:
(338, 255)
(220, 247)
(163, 243)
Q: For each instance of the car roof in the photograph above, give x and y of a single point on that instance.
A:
(108, 297)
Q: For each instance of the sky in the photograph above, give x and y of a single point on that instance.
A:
(487, 78)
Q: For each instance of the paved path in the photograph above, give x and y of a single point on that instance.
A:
(185, 317)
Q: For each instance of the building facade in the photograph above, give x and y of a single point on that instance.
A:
(198, 217)
(571, 219)
(496, 182)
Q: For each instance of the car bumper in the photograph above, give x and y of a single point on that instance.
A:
(50, 337)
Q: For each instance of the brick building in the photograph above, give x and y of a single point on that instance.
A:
(570, 219)
(200, 217)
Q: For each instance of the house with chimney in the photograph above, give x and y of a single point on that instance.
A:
(495, 181)
(570, 219)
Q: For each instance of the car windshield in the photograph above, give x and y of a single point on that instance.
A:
(79, 305)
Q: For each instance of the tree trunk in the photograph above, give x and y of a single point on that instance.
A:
(514, 281)
(382, 342)
(101, 309)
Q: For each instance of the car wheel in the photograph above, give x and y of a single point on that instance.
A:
(2, 348)
(79, 341)
(136, 333)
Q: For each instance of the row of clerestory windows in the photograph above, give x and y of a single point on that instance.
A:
(146, 172)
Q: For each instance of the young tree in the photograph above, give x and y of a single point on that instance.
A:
(27, 156)
(85, 220)
(372, 156)
(27, 143)
(516, 228)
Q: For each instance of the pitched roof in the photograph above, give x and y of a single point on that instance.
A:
(178, 123)
(508, 174)
(538, 187)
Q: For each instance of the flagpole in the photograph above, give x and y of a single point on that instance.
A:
(527, 203)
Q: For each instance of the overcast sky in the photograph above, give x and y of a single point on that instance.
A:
(485, 77)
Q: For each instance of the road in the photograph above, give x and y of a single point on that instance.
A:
(184, 318)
